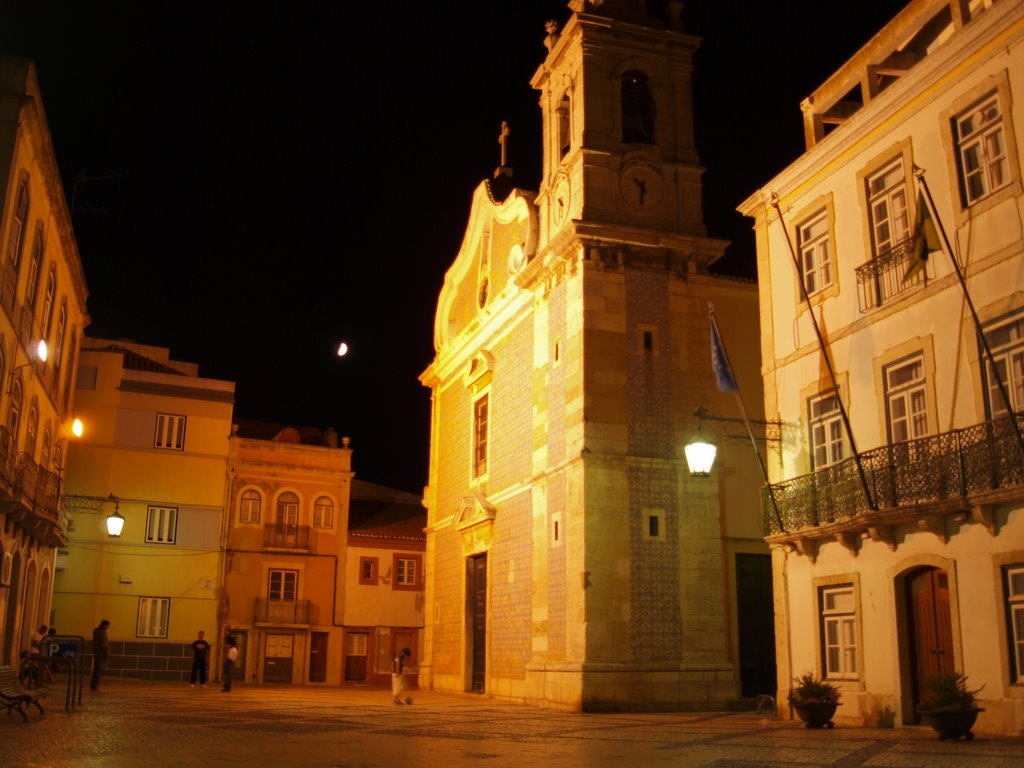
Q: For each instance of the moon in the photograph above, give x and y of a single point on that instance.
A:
(342, 349)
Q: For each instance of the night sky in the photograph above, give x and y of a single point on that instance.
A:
(254, 182)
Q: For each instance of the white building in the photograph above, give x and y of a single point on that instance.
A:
(899, 548)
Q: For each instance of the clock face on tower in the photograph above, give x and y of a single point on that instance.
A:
(560, 202)
(640, 185)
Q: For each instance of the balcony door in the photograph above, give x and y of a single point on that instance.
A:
(931, 631)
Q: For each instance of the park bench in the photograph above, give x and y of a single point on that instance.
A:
(14, 696)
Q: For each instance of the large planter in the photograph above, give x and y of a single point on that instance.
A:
(952, 724)
(816, 715)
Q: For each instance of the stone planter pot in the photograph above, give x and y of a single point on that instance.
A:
(952, 724)
(816, 715)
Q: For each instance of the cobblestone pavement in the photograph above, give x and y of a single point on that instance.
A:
(166, 725)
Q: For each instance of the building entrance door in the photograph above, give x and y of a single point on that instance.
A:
(755, 624)
(318, 657)
(355, 655)
(931, 631)
(476, 589)
(277, 663)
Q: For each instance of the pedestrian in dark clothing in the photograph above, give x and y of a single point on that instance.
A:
(200, 654)
(230, 657)
(100, 653)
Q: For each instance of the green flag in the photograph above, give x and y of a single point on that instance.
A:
(923, 240)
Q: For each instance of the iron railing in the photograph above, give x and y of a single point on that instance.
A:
(284, 536)
(950, 466)
(270, 611)
(881, 279)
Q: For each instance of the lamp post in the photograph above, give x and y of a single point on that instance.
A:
(115, 520)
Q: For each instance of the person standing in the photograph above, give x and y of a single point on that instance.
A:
(398, 677)
(200, 655)
(100, 653)
(230, 657)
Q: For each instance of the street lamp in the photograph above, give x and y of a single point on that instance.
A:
(700, 455)
(115, 520)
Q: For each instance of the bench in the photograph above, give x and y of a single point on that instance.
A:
(14, 696)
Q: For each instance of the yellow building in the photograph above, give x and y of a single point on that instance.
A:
(572, 561)
(384, 582)
(43, 296)
(155, 451)
(284, 591)
(898, 552)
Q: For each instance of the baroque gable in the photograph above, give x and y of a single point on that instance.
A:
(500, 239)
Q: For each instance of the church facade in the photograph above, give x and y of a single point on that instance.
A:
(572, 559)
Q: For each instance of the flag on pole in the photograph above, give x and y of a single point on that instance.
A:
(923, 240)
(720, 363)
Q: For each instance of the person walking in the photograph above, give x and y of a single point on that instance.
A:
(398, 677)
(100, 654)
(200, 656)
(230, 657)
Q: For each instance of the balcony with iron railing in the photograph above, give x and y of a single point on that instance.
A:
(278, 612)
(286, 536)
(920, 481)
(881, 279)
(29, 495)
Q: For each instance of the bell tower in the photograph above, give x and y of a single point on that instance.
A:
(617, 113)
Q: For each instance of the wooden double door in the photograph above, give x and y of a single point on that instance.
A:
(929, 626)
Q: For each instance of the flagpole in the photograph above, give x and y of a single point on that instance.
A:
(1003, 391)
(824, 352)
(746, 421)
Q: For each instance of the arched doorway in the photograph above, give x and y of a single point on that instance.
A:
(929, 628)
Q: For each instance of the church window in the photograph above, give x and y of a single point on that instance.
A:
(637, 109)
(480, 435)
(564, 112)
(653, 521)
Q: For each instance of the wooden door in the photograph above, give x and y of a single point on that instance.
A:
(476, 588)
(355, 655)
(755, 624)
(931, 631)
(277, 662)
(318, 657)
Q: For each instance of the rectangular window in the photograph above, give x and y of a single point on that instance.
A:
(815, 253)
(981, 149)
(1015, 608)
(283, 585)
(407, 571)
(480, 409)
(368, 567)
(170, 432)
(887, 201)
(161, 525)
(1006, 341)
(906, 400)
(826, 430)
(153, 615)
(839, 631)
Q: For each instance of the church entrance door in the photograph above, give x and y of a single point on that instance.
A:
(476, 598)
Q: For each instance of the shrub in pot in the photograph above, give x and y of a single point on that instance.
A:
(950, 706)
(815, 700)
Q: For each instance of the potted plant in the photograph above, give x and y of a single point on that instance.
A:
(950, 707)
(815, 700)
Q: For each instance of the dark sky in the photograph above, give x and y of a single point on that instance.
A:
(258, 181)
